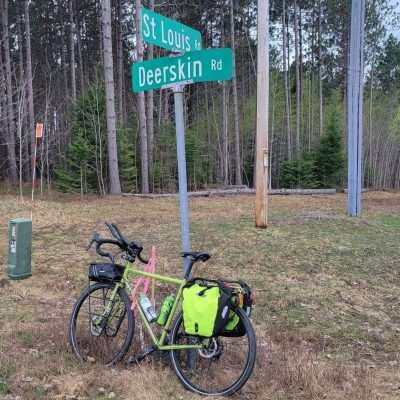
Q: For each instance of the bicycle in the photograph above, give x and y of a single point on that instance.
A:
(102, 326)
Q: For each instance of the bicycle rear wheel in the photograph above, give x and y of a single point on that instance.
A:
(221, 369)
(101, 329)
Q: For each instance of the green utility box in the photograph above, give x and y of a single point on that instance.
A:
(19, 248)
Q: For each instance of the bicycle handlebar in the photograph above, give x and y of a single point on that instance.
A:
(132, 248)
(102, 253)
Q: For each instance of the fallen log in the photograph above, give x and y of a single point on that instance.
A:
(228, 192)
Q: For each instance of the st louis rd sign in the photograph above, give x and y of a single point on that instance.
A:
(168, 34)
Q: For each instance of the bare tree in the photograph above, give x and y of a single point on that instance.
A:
(115, 186)
(142, 108)
(285, 76)
(29, 79)
(321, 115)
(120, 68)
(72, 48)
(150, 113)
(298, 88)
(238, 162)
(12, 163)
(22, 123)
(225, 95)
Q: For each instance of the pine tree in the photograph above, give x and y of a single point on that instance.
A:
(300, 173)
(77, 176)
(329, 159)
(126, 161)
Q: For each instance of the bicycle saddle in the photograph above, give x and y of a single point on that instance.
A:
(196, 256)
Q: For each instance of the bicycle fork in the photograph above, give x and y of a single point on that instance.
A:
(99, 323)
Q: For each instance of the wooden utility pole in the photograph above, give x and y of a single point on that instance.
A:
(355, 108)
(262, 115)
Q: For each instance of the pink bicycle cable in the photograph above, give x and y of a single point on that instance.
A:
(150, 267)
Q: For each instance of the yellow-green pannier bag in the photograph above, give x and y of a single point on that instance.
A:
(205, 307)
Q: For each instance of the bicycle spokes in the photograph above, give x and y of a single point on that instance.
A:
(101, 326)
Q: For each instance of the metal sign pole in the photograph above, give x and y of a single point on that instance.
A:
(355, 111)
(180, 148)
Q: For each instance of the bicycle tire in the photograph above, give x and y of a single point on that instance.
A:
(239, 382)
(72, 331)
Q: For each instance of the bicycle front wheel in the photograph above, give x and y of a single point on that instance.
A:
(101, 327)
(222, 368)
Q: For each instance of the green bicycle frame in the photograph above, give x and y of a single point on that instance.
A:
(129, 273)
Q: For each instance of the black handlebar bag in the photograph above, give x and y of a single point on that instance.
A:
(105, 272)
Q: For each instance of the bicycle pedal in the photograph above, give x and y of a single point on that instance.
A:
(139, 358)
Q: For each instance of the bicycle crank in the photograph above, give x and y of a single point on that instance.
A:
(139, 358)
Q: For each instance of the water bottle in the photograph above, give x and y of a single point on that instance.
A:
(147, 307)
(165, 310)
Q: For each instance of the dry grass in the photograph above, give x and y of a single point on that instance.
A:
(328, 289)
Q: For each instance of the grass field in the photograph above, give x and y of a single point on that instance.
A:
(327, 286)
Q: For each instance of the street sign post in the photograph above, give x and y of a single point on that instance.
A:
(182, 178)
(168, 34)
(199, 66)
(38, 135)
(192, 65)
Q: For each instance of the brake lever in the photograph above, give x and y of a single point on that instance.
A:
(112, 230)
(95, 239)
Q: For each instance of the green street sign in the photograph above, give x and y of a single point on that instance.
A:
(167, 33)
(197, 66)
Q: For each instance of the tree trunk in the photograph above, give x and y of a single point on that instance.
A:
(64, 51)
(142, 107)
(210, 163)
(225, 147)
(238, 163)
(29, 80)
(301, 72)
(311, 86)
(369, 149)
(72, 49)
(225, 142)
(321, 116)
(285, 76)
(150, 115)
(120, 64)
(272, 138)
(12, 163)
(24, 136)
(298, 91)
(3, 110)
(115, 186)
(80, 60)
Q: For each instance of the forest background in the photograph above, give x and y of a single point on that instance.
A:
(52, 71)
